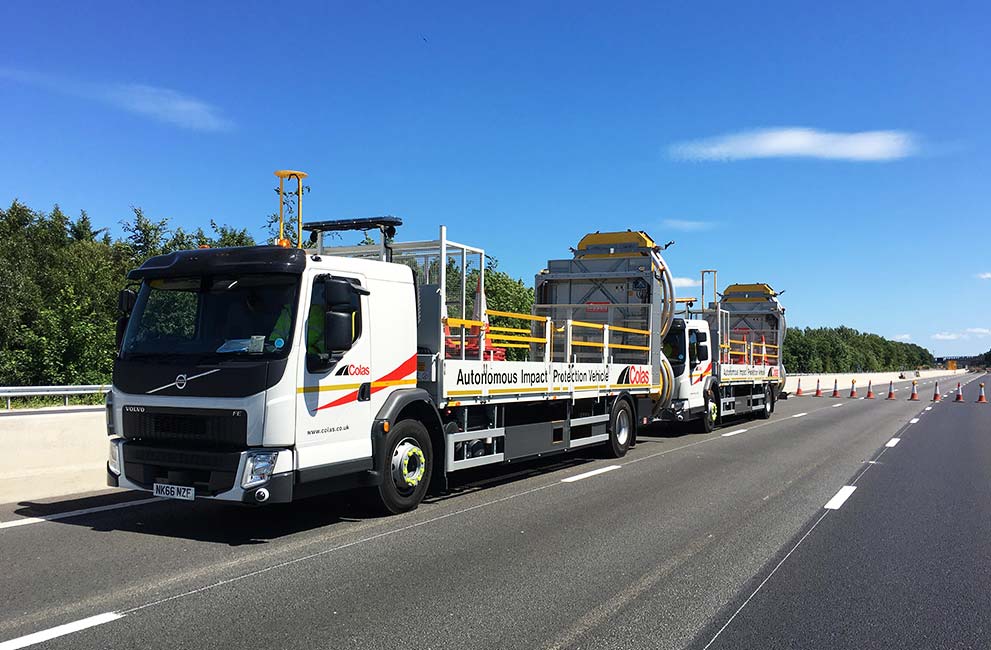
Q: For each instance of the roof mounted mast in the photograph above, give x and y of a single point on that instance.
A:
(283, 174)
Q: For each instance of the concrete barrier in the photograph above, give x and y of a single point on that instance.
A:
(880, 380)
(52, 452)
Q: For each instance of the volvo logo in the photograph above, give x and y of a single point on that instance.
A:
(181, 381)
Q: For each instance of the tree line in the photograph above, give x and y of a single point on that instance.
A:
(843, 349)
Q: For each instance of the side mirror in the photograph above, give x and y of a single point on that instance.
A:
(125, 301)
(336, 292)
(337, 332)
(703, 353)
(702, 336)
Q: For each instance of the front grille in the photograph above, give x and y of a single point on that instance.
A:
(210, 472)
(197, 428)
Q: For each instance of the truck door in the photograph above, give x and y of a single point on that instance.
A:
(334, 424)
(700, 362)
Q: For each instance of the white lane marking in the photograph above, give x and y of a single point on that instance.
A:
(799, 415)
(929, 408)
(74, 513)
(836, 406)
(733, 433)
(61, 630)
(594, 472)
(841, 496)
(914, 421)
(764, 582)
(892, 442)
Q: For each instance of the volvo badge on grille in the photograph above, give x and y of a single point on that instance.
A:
(180, 382)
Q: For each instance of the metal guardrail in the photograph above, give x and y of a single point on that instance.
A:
(9, 392)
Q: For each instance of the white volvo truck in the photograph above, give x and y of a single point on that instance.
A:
(265, 374)
(726, 356)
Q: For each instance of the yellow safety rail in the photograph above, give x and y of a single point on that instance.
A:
(509, 314)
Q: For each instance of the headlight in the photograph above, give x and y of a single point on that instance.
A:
(110, 413)
(113, 459)
(258, 468)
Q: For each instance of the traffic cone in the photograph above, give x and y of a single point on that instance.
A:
(891, 390)
(959, 397)
(799, 393)
(914, 397)
(818, 389)
(870, 390)
(836, 388)
(936, 396)
(982, 399)
(853, 389)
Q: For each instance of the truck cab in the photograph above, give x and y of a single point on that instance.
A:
(688, 347)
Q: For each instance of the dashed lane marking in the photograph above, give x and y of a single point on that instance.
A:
(594, 472)
(892, 442)
(733, 433)
(840, 497)
(60, 630)
(74, 513)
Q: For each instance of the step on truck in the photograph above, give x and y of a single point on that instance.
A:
(265, 374)
(726, 356)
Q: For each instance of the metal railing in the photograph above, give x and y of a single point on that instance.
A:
(9, 392)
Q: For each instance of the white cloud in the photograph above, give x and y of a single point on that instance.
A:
(681, 283)
(799, 142)
(984, 276)
(903, 337)
(946, 336)
(162, 104)
(687, 225)
(979, 331)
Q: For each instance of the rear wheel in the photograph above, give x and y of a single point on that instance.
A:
(621, 429)
(765, 411)
(407, 467)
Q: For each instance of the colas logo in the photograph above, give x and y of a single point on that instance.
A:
(635, 376)
(353, 370)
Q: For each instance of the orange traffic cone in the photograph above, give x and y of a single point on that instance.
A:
(799, 393)
(982, 399)
(936, 396)
(891, 390)
(959, 397)
(914, 397)
(836, 388)
(870, 390)
(853, 389)
(818, 389)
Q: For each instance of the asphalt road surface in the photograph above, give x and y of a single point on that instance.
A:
(692, 540)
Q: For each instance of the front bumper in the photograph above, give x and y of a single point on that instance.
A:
(213, 475)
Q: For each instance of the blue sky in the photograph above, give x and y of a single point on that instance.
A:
(839, 151)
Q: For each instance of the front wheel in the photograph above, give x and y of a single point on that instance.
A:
(710, 412)
(408, 465)
(621, 429)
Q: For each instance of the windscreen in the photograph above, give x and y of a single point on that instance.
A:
(244, 316)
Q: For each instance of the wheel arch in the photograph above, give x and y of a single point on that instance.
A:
(413, 404)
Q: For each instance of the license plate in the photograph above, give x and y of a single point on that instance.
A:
(174, 491)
